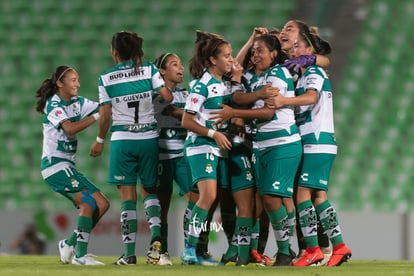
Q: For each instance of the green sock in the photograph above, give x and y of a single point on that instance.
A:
(291, 222)
(278, 219)
(72, 239)
(308, 223)
(329, 220)
(187, 218)
(232, 250)
(164, 237)
(83, 231)
(255, 235)
(129, 226)
(198, 223)
(153, 211)
(244, 232)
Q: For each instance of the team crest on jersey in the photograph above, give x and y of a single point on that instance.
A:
(74, 182)
(76, 108)
(194, 100)
(209, 168)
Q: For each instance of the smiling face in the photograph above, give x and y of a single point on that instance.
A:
(288, 35)
(68, 85)
(300, 47)
(223, 62)
(262, 57)
(173, 72)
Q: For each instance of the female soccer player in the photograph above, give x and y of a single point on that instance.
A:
(126, 95)
(172, 165)
(316, 124)
(206, 148)
(276, 148)
(65, 113)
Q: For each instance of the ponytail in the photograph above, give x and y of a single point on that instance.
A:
(129, 47)
(48, 87)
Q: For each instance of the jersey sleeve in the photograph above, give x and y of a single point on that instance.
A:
(279, 77)
(196, 98)
(313, 79)
(55, 113)
(103, 94)
(88, 107)
(157, 80)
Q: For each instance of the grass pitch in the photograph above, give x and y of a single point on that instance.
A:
(50, 265)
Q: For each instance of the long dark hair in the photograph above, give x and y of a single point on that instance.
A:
(129, 47)
(272, 43)
(311, 37)
(206, 45)
(49, 87)
(320, 46)
(161, 60)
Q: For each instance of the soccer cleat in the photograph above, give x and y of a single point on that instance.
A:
(340, 254)
(165, 259)
(327, 252)
(266, 260)
(291, 252)
(255, 256)
(310, 257)
(66, 252)
(283, 260)
(224, 260)
(299, 255)
(88, 259)
(240, 263)
(207, 259)
(260, 259)
(130, 260)
(189, 256)
(153, 254)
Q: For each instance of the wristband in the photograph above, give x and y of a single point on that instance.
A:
(99, 140)
(210, 133)
(96, 116)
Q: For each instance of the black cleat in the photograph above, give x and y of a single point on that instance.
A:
(283, 260)
(131, 260)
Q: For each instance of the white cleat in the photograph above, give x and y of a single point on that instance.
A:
(165, 259)
(66, 252)
(88, 259)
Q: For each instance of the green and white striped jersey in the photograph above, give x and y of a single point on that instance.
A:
(316, 121)
(58, 146)
(131, 95)
(171, 134)
(205, 96)
(281, 128)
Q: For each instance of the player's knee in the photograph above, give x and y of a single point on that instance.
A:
(102, 205)
(88, 199)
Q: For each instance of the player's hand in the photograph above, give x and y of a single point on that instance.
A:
(222, 141)
(221, 116)
(267, 91)
(294, 64)
(96, 149)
